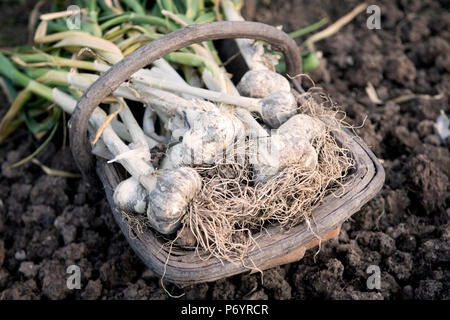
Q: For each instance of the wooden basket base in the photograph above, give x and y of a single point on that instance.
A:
(298, 253)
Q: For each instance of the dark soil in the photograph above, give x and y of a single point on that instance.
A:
(48, 223)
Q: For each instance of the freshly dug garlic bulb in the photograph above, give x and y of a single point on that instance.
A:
(131, 196)
(169, 199)
(292, 144)
(277, 108)
(302, 126)
(298, 152)
(262, 83)
(166, 202)
(277, 103)
(211, 131)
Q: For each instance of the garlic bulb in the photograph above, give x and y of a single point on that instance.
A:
(131, 196)
(292, 144)
(211, 131)
(277, 103)
(166, 203)
(302, 126)
(173, 191)
(262, 83)
(277, 108)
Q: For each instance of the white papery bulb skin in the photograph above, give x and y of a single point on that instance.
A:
(302, 126)
(169, 199)
(130, 196)
(209, 134)
(262, 83)
(277, 108)
(292, 144)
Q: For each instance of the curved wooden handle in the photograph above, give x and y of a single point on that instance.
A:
(121, 71)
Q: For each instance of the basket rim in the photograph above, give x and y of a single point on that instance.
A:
(186, 267)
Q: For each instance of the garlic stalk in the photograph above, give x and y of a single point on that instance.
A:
(274, 109)
(148, 125)
(136, 132)
(252, 53)
(140, 146)
(136, 167)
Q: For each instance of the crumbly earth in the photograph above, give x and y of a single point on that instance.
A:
(48, 223)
